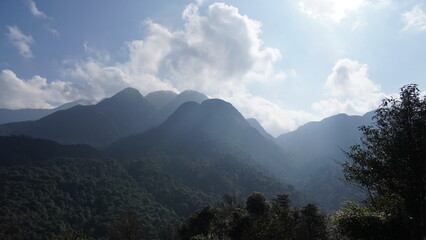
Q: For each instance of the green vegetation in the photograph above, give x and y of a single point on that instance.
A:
(75, 191)
(257, 219)
(390, 165)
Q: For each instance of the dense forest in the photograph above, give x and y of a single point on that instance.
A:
(207, 173)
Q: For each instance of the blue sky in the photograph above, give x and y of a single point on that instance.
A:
(282, 62)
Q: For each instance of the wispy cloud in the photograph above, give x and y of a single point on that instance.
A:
(34, 10)
(415, 18)
(337, 10)
(21, 41)
(39, 14)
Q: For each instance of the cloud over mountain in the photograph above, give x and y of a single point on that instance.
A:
(33, 93)
(217, 51)
(351, 90)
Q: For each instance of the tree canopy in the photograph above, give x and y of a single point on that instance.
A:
(390, 163)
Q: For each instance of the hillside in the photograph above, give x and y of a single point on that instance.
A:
(316, 151)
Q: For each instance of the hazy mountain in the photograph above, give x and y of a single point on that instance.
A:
(123, 114)
(322, 141)
(254, 123)
(186, 96)
(210, 130)
(316, 149)
(159, 99)
(19, 115)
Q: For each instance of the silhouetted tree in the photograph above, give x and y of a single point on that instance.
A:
(126, 227)
(391, 161)
(310, 223)
(257, 205)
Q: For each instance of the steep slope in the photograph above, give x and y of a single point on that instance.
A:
(203, 134)
(187, 96)
(254, 123)
(324, 139)
(159, 99)
(19, 115)
(125, 113)
(316, 149)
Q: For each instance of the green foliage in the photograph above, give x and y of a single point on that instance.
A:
(310, 223)
(126, 227)
(257, 220)
(355, 221)
(256, 204)
(390, 164)
(49, 195)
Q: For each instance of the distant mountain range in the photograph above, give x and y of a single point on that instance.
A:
(125, 113)
(128, 126)
(19, 115)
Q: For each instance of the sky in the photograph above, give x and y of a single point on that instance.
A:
(283, 62)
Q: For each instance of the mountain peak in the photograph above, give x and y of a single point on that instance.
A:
(193, 95)
(129, 91)
(159, 99)
(125, 98)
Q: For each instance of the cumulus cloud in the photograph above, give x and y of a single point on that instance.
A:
(223, 47)
(415, 19)
(351, 90)
(21, 41)
(214, 53)
(33, 93)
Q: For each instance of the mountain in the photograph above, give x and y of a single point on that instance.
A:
(186, 96)
(123, 114)
(19, 115)
(49, 189)
(316, 149)
(205, 133)
(159, 99)
(254, 123)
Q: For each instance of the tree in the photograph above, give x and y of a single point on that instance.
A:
(126, 227)
(256, 204)
(310, 223)
(390, 162)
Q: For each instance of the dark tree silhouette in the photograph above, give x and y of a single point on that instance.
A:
(391, 161)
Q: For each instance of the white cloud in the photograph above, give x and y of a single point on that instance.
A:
(21, 41)
(337, 10)
(351, 90)
(214, 53)
(34, 10)
(415, 19)
(33, 93)
(350, 78)
(223, 47)
(275, 119)
(39, 14)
